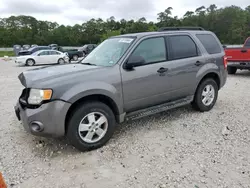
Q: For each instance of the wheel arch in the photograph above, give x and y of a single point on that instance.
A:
(212, 75)
(30, 58)
(94, 97)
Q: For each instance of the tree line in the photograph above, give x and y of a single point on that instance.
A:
(231, 24)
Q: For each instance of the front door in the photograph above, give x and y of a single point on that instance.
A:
(148, 84)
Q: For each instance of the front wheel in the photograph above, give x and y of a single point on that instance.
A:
(61, 61)
(206, 95)
(30, 62)
(91, 125)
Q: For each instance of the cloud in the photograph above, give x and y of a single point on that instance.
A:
(70, 12)
(219, 3)
(119, 9)
(29, 7)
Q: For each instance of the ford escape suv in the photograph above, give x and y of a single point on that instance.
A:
(124, 78)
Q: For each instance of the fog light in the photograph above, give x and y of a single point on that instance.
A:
(36, 126)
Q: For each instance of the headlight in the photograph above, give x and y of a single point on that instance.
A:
(36, 96)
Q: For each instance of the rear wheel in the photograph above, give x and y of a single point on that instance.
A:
(30, 62)
(90, 126)
(206, 95)
(231, 70)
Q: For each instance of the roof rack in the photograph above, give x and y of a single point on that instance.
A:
(180, 28)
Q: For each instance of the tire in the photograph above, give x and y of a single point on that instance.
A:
(231, 70)
(79, 139)
(30, 62)
(75, 57)
(61, 61)
(205, 85)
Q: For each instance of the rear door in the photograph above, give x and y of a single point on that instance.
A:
(54, 56)
(185, 60)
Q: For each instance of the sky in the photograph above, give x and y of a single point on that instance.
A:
(70, 12)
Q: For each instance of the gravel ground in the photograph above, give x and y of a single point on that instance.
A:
(178, 148)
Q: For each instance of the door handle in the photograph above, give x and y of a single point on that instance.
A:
(162, 70)
(198, 63)
(243, 51)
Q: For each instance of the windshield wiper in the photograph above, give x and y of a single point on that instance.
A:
(89, 64)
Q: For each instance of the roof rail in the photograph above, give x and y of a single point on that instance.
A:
(180, 28)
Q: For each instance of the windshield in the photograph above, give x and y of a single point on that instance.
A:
(32, 48)
(108, 52)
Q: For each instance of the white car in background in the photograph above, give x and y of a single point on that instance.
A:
(43, 57)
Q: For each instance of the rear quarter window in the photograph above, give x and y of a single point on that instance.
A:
(210, 43)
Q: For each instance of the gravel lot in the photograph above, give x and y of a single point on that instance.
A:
(179, 148)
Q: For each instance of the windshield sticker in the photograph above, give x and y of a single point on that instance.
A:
(126, 40)
(111, 62)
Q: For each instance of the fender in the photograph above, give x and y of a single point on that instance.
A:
(94, 88)
(206, 69)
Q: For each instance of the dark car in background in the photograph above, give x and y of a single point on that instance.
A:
(32, 50)
(87, 48)
(73, 54)
(54, 46)
(26, 46)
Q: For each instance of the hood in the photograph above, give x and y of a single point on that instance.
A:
(38, 75)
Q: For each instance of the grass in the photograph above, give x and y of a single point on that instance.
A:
(6, 53)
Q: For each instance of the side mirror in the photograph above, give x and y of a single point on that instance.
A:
(134, 61)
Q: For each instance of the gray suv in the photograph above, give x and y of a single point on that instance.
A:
(126, 77)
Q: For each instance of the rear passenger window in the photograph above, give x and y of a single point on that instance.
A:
(152, 50)
(44, 53)
(54, 53)
(181, 46)
(209, 43)
(247, 43)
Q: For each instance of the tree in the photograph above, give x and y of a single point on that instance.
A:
(231, 24)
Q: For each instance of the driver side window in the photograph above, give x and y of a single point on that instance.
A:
(153, 50)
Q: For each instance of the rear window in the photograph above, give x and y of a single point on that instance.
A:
(210, 43)
(247, 44)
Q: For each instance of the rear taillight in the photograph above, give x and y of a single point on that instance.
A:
(225, 61)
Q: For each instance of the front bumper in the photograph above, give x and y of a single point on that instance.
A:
(49, 116)
(19, 62)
